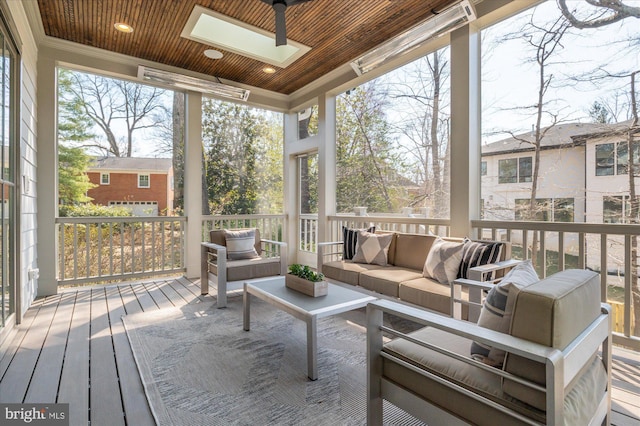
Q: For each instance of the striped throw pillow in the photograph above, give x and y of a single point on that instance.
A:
(241, 244)
(478, 253)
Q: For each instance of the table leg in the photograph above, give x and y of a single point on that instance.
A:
(312, 348)
(246, 309)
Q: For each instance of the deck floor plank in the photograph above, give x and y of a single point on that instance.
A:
(47, 372)
(137, 411)
(74, 380)
(105, 397)
(15, 381)
(99, 378)
(161, 299)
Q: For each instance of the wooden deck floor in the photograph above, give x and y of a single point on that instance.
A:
(72, 348)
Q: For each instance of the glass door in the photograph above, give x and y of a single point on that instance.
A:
(307, 208)
(7, 180)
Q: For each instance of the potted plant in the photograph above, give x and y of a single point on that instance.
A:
(303, 279)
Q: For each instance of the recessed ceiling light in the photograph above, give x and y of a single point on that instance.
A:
(213, 54)
(125, 28)
(269, 70)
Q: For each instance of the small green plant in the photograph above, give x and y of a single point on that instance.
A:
(304, 272)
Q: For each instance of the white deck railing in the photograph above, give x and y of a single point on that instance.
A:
(271, 226)
(97, 249)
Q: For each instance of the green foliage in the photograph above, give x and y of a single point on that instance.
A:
(599, 113)
(305, 272)
(73, 182)
(236, 138)
(93, 210)
(73, 124)
(366, 163)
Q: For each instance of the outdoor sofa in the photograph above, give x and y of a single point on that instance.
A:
(248, 257)
(557, 369)
(403, 275)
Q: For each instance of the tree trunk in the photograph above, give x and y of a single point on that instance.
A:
(435, 144)
(634, 204)
(178, 150)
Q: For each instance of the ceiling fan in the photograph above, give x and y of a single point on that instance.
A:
(279, 6)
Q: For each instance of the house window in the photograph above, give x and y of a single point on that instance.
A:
(545, 209)
(512, 170)
(605, 160)
(617, 209)
(483, 168)
(104, 179)
(144, 181)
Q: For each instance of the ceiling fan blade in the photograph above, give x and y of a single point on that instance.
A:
(281, 25)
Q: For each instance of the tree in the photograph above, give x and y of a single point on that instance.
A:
(107, 101)
(603, 12)
(366, 163)
(419, 92)
(73, 182)
(599, 113)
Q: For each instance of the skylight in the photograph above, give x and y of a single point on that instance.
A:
(214, 29)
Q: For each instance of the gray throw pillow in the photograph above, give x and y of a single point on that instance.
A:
(372, 248)
(443, 261)
(497, 310)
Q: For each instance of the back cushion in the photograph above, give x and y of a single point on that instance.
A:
(552, 312)
(411, 250)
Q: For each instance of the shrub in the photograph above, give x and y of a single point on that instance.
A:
(305, 273)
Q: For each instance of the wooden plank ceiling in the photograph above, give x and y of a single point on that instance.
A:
(337, 31)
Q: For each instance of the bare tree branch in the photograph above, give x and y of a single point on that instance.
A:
(608, 12)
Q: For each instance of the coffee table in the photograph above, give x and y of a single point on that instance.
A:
(306, 308)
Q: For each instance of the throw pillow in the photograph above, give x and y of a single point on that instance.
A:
(241, 244)
(350, 241)
(443, 261)
(477, 253)
(372, 248)
(497, 310)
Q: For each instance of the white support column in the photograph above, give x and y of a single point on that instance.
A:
(326, 164)
(47, 177)
(290, 186)
(193, 182)
(465, 130)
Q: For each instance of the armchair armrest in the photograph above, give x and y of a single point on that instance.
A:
(221, 259)
(281, 251)
(477, 273)
(321, 252)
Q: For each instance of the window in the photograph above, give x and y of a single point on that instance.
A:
(545, 210)
(483, 168)
(143, 181)
(524, 169)
(512, 170)
(607, 161)
(617, 209)
(104, 178)
(508, 171)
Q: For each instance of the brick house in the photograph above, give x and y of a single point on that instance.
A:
(145, 185)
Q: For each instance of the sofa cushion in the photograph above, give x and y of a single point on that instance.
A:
(552, 312)
(411, 250)
(241, 244)
(346, 271)
(475, 253)
(430, 294)
(259, 267)
(350, 241)
(387, 280)
(497, 309)
(372, 248)
(443, 261)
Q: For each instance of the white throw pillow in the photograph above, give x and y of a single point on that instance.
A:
(443, 261)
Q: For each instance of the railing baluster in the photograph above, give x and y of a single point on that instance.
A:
(110, 248)
(99, 231)
(627, 285)
(560, 251)
(604, 273)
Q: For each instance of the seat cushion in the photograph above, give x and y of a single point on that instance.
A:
(346, 271)
(387, 280)
(430, 294)
(245, 269)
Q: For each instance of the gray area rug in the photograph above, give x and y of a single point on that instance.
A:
(199, 367)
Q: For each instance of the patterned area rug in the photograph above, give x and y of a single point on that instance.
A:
(199, 367)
